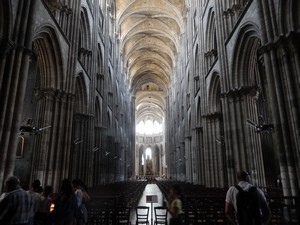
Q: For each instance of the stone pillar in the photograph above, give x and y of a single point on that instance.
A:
(13, 85)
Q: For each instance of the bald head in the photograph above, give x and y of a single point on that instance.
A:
(12, 183)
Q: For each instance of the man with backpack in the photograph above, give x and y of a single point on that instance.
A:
(247, 201)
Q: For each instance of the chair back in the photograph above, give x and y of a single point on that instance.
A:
(161, 215)
(142, 213)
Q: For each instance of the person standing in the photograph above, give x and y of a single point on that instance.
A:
(175, 205)
(42, 216)
(65, 205)
(35, 197)
(82, 198)
(232, 203)
(15, 206)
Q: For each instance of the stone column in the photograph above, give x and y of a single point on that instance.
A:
(13, 85)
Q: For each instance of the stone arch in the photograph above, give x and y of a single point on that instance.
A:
(214, 124)
(46, 99)
(81, 97)
(211, 30)
(214, 99)
(251, 92)
(85, 29)
(109, 119)
(198, 111)
(85, 39)
(110, 80)
(196, 70)
(49, 60)
(100, 60)
(98, 112)
(211, 47)
(245, 56)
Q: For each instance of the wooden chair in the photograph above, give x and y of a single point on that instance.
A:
(123, 215)
(161, 215)
(98, 216)
(142, 214)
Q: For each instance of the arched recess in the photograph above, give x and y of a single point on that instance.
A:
(81, 101)
(80, 132)
(45, 104)
(84, 40)
(109, 86)
(215, 140)
(100, 154)
(211, 53)
(256, 153)
(100, 70)
(199, 178)
(196, 70)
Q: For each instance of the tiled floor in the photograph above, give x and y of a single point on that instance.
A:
(151, 189)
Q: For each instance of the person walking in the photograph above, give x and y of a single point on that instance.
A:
(247, 201)
(15, 206)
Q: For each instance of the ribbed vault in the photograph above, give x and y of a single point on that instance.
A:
(149, 33)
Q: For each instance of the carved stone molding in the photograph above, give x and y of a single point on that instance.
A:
(213, 115)
(239, 92)
(196, 77)
(237, 8)
(212, 52)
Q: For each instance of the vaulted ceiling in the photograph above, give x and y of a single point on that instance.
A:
(149, 32)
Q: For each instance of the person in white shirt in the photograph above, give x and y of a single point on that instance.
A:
(231, 200)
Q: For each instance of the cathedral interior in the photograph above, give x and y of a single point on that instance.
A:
(114, 90)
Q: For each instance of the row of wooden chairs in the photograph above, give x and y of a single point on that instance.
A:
(201, 205)
(111, 203)
(121, 215)
(126, 194)
(206, 205)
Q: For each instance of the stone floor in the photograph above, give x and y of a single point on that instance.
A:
(150, 189)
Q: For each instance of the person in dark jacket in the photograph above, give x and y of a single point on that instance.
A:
(65, 207)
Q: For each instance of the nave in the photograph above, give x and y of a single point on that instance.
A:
(201, 205)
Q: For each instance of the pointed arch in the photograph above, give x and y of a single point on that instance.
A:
(245, 56)
(98, 112)
(211, 30)
(49, 59)
(100, 60)
(211, 51)
(85, 29)
(198, 112)
(214, 94)
(81, 98)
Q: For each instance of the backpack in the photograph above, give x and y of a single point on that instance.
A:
(248, 210)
